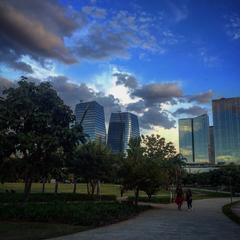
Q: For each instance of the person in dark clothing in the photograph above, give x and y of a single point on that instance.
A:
(179, 197)
(189, 198)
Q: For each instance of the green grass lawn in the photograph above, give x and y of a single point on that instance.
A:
(106, 189)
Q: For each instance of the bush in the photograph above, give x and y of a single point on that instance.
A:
(49, 197)
(154, 199)
(84, 213)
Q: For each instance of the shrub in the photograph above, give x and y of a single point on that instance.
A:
(84, 213)
(49, 197)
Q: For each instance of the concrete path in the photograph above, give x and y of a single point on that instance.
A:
(205, 222)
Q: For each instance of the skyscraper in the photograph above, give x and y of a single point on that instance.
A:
(194, 139)
(201, 138)
(122, 127)
(91, 114)
(211, 145)
(186, 146)
(226, 120)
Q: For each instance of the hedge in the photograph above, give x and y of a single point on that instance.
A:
(49, 197)
(82, 213)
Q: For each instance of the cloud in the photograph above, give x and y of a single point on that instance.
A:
(157, 93)
(126, 79)
(233, 26)
(137, 107)
(208, 59)
(73, 93)
(34, 28)
(154, 117)
(205, 97)
(192, 111)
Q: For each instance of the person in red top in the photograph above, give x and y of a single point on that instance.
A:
(179, 197)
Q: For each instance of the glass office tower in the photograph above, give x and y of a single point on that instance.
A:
(194, 139)
(186, 146)
(122, 127)
(201, 139)
(91, 114)
(211, 149)
(226, 120)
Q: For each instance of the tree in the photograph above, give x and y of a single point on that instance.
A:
(39, 122)
(132, 172)
(94, 162)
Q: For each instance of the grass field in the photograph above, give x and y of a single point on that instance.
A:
(106, 189)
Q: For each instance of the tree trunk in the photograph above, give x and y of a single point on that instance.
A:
(74, 184)
(98, 190)
(149, 197)
(56, 187)
(136, 196)
(93, 185)
(43, 185)
(27, 188)
(88, 190)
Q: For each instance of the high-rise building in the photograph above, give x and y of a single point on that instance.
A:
(211, 148)
(91, 116)
(122, 127)
(194, 139)
(186, 146)
(201, 138)
(226, 121)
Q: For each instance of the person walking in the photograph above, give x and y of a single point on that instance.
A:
(189, 198)
(179, 197)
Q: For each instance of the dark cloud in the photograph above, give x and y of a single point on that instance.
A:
(137, 107)
(155, 117)
(192, 111)
(202, 97)
(157, 93)
(73, 93)
(34, 28)
(126, 79)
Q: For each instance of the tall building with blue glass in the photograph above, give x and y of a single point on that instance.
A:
(122, 127)
(91, 116)
(194, 139)
(226, 120)
(201, 138)
(186, 139)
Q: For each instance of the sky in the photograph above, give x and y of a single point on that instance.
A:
(162, 60)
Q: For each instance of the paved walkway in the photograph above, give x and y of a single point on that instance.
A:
(205, 222)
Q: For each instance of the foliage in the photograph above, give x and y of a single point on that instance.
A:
(94, 163)
(223, 176)
(84, 213)
(38, 122)
(49, 197)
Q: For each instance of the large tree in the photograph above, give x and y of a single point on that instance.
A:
(38, 121)
(94, 163)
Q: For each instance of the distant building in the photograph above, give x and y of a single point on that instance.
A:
(122, 127)
(211, 145)
(226, 121)
(186, 146)
(91, 114)
(201, 138)
(194, 139)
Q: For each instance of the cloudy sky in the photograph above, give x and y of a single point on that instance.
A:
(162, 60)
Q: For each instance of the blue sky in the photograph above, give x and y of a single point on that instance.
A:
(163, 59)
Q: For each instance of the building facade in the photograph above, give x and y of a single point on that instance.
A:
(211, 149)
(201, 138)
(226, 120)
(186, 146)
(91, 116)
(122, 127)
(194, 139)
